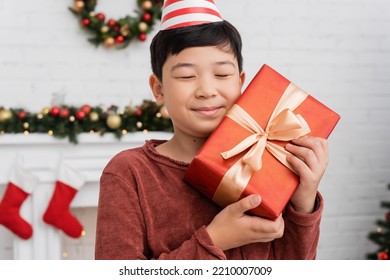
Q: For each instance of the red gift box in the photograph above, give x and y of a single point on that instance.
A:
(245, 155)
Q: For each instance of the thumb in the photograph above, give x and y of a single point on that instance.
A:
(247, 203)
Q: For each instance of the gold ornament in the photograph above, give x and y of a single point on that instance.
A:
(147, 5)
(5, 115)
(93, 116)
(104, 29)
(109, 42)
(143, 26)
(114, 121)
(78, 5)
(45, 111)
(125, 33)
(125, 30)
(164, 112)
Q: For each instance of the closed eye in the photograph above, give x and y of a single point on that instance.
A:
(185, 77)
(222, 75)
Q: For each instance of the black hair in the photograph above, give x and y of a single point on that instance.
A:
(172, 41)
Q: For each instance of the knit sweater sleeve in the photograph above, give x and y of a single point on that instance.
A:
(123, 234)
(199, 247)
(301, 234)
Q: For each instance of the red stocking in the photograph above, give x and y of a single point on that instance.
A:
(18, 189)
(58, 213)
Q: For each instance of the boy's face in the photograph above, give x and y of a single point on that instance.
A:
(198, 87)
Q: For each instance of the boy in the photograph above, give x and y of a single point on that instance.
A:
(146, 210)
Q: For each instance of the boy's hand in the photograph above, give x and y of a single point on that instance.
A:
(232, 228)
(310, 161)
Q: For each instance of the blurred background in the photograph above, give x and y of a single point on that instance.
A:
(337, 50)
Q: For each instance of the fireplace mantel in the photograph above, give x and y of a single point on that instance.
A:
(42, 154)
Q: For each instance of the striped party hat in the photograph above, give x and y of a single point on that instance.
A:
(182, 13)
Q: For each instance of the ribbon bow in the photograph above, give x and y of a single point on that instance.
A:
(283, 125)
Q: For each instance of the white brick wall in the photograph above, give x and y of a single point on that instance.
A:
(339, 51)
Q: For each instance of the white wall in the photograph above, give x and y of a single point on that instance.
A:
(337, 50)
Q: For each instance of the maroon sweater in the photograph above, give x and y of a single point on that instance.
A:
(146, 211)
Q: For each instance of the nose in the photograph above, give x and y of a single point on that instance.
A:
(206, 88)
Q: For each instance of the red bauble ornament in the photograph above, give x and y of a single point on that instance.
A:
(64, 113)
(86, 109)
(55, 111)
(85, 22)
(101, 16)
(111, 22)
(146, 17)
(119, 39)
(142, 37)
(383, 256)
(138, 112)
(80, 115)
(22, 115)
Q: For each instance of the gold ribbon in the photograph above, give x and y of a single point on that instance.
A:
(283, 125)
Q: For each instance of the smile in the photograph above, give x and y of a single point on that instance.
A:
(207, 111)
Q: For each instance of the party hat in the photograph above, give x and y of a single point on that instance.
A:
(182, 13)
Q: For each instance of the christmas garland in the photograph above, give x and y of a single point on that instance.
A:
(69, 121)
(119, 32)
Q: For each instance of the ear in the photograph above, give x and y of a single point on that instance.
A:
(242, 78)
(156, 87)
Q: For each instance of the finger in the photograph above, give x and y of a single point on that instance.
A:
(317, 144)
(302, 155)
(299, 165)
(245, 204)
(312, 150)
(271, 230)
